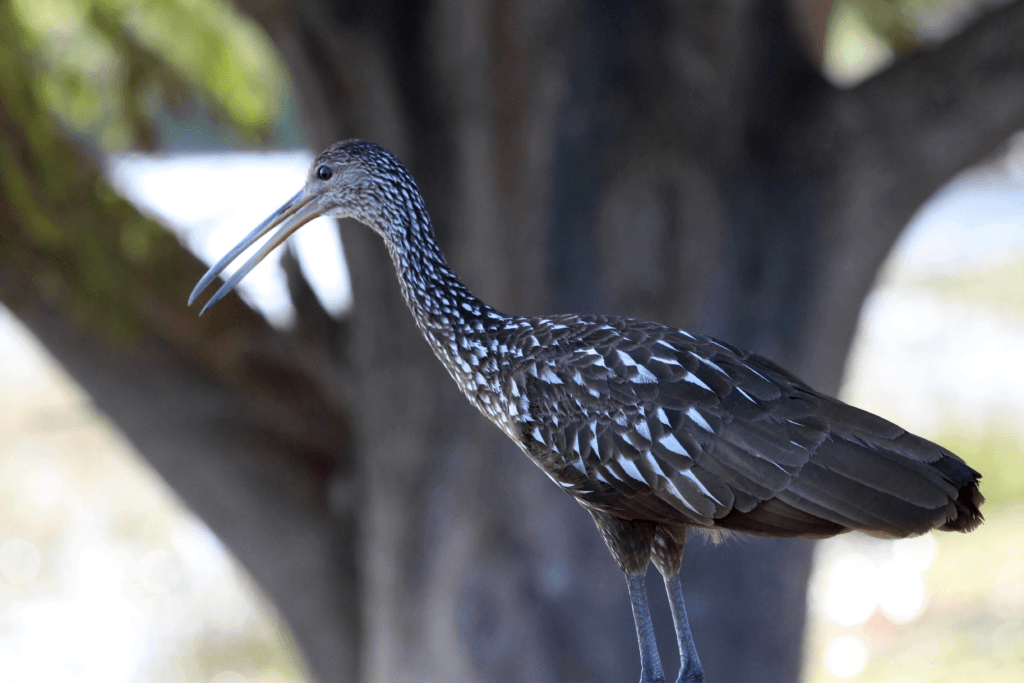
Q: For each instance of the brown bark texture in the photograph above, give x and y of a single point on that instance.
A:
(677, 161)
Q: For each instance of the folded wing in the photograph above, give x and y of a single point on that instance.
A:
(653, 423)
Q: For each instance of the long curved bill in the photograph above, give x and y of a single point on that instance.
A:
(295, 213)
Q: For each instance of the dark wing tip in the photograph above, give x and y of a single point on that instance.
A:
(965, 512)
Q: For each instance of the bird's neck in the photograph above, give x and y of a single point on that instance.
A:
(459, 327)
(438, 299)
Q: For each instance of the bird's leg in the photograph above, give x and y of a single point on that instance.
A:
(650, 662)
(630, 543)
(690, 670)
(668, 557)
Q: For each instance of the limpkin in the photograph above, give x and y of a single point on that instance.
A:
(655, 431)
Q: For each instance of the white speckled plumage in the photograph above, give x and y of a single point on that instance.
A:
(654, 430)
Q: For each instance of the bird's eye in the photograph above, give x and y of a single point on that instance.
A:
(324, 173)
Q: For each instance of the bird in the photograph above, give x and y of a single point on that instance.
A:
(655, 431)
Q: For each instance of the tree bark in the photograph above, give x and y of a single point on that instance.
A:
(682, 162)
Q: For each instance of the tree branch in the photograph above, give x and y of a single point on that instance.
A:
(867, 158)
(939, 111)
(240, 420)
(266, 498)
(314, 324)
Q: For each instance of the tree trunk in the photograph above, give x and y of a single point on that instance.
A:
(682, 162)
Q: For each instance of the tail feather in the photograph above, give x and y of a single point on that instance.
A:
(858, 482)
(929, 488)
(964, 513)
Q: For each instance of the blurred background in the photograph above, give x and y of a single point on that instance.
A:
(118, 543)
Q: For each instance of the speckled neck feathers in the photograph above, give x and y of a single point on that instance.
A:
(453, 320)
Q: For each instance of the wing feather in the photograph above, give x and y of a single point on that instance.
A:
(900, 478)
(862, 504)
(698, 432)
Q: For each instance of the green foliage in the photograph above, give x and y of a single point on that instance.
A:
(79, 244)
(104, 68)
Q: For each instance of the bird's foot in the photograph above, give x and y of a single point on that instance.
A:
(648, 676)
(692, 674)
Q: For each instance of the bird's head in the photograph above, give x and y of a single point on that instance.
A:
(351, 179)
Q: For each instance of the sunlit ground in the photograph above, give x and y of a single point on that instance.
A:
(104, 577)
(940, 351)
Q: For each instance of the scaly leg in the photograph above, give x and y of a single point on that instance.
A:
(630, 540)
(690, 670)
(650, 662)
(668, 557)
